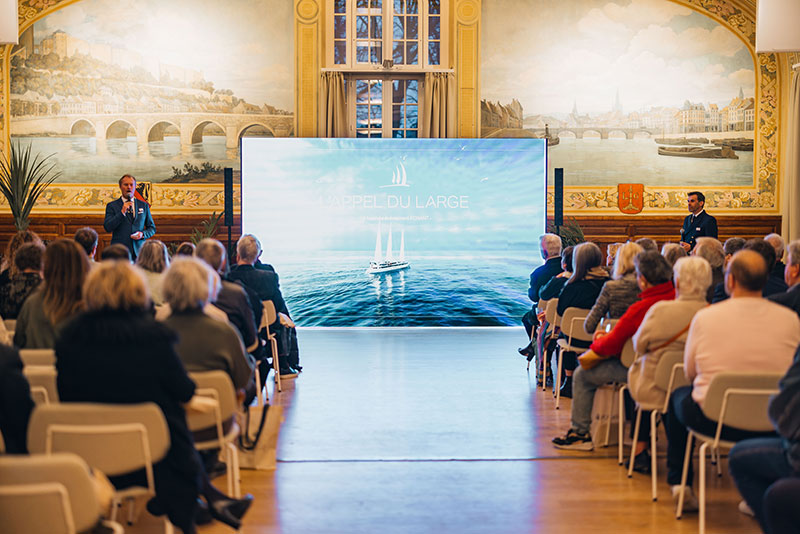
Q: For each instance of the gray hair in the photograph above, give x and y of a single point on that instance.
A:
(212, 252)
(551, 243)
(693, 273)
(711, 250)
(673, 252)
(653, 267)
(248, 248)
(189, 284)
(793, 250)
(777, 243)
(623, 262)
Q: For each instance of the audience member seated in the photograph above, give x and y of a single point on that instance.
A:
(231, 298)
(552, 289)
(664, 328)
(57, 299)
(618, 293)
(580, 291)
(15, 402)
(791, 297)
(611, 255)
(117, 353)
(153, 258)
(647, 244)
(779, 245)
(27, 277)
(550, 249)
(731, 247)
(761, 466)
(744, 333)
(87, 238)
(775, 282)
(264, 283)
(601, 364)
(116, 252)
(185, 249)
(672, 252)
(7, 268)
(711, 250)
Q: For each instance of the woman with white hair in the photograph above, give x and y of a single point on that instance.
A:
(153, 259)
(618, 293)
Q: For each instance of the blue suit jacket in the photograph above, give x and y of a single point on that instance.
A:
(704, 225)
(121, 226)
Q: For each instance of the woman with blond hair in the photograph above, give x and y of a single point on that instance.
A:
(57, 299)
(620, 292)
(153, 259)
(117, 353)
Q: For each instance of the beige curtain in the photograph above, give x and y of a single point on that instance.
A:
(332, 108)
(792, 211)
(439, 105)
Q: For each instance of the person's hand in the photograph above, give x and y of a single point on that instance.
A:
(127, 206)
(598, 334)
(540, 316)
(285, 320)
(686, 246)
(137, 236)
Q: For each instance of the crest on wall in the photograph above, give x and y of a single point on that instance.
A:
(630, 198)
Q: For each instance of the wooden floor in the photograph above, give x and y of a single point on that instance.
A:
(443, 431)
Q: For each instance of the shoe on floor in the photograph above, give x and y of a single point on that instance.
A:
(642, 462)
(745, 509)
(526, 351)
(574, 441)
(288, 374)
(566, 388)
(690, 503)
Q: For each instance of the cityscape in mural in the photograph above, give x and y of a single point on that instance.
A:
(641, 91)
(166, 98)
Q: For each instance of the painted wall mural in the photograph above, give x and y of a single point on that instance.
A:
(634, 91)
(161, 90)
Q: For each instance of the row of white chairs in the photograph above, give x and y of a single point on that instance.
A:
(734, 399)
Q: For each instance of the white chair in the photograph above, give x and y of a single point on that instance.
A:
(48, 494)
(218, 386)
(540, 306)
(42, 379)
(550, 313)
(572, 325)
(668, 377)
(114, 438)
(38, 356)
(268, 317)
(738, 400)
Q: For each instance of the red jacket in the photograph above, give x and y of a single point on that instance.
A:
(611, 344)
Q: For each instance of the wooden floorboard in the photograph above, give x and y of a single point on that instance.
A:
(442, 431)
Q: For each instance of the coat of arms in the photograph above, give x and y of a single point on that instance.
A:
(630, 198)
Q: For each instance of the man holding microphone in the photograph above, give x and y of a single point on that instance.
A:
(128, 219)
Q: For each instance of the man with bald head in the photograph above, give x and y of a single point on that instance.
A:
(744, 333)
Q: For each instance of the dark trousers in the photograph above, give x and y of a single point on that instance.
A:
(685, 413)
(530, 322)
(759, 467)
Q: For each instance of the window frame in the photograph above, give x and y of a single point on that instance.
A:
(386, 99)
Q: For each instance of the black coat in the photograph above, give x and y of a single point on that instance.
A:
(16, 404)
(543, 274)
(126, 358)
(704, 225)
(263, 282)
(790, 298)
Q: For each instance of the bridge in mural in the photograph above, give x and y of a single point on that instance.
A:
(152, 126)
(604, 132)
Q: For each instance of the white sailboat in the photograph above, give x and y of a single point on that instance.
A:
(388, 263)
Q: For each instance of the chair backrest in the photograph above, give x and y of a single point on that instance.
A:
(541, 305)
(572, 324)
(114, 438)
(270, 315)
(551, 310)
(10, 324)
(42, 379)
(50, 494)
(218, 385)
(628, 355)
(741, 399)
(666, 363)
(38, 356)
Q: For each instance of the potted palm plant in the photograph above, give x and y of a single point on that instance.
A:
(23, 178)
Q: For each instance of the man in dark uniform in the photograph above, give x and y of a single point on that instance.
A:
(699, 223)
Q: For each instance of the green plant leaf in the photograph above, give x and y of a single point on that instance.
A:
(23, 179)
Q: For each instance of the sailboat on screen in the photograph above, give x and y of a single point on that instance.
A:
(388, 264)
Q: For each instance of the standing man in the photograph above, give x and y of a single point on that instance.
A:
(128, 219)
(699, 223)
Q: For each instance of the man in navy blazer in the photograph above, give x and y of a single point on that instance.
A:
(128, 219)
(699, 223)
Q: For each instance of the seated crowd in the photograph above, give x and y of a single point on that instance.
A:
(127, 333)
(732, 307)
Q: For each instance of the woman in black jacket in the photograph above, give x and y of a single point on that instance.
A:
(117, 353)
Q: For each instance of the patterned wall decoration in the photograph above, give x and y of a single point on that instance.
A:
(760, 195)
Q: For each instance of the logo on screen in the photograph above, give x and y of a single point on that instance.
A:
(399, 178)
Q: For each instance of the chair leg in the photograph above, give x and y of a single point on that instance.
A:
(687, 457)
(234, 463)
(260, 401)
(115, 504)
(168, 528)
(558, 376)
(276, 364)
(653, 456)
(542, 360)
(609, 413)
(620, 424)
(719, 463)
(702, 483)
(636, 427)
(229, 469)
